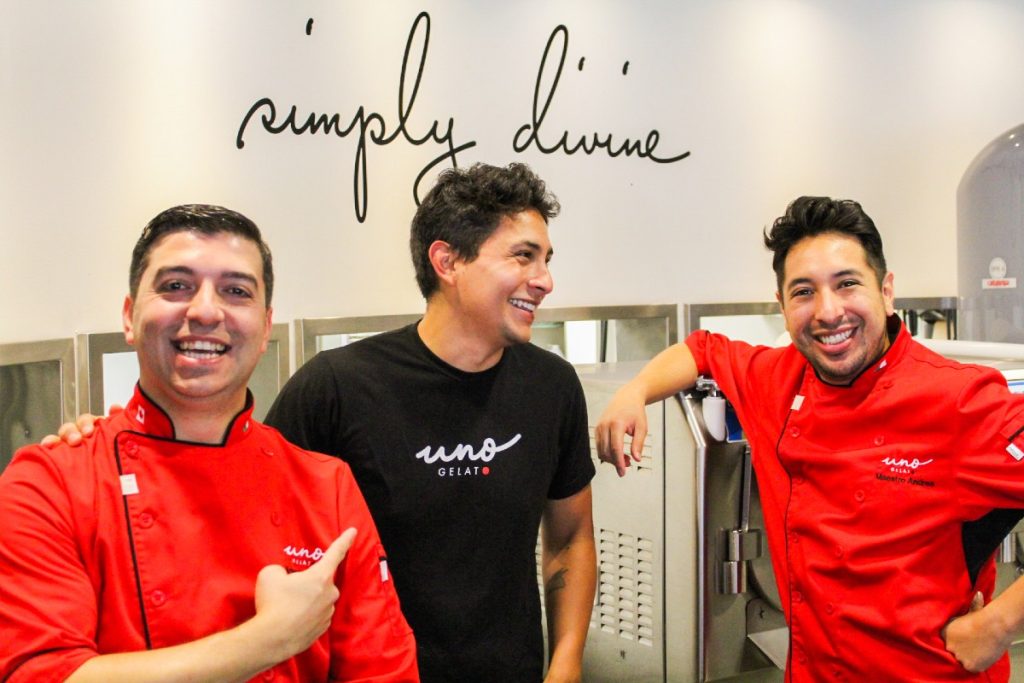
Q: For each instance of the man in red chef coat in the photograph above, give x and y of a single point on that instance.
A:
(875, 458)
(190, 542)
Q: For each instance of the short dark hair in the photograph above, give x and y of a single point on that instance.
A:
(204, 219)
(466, 205)
(812, 216)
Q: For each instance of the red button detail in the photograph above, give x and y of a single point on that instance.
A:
(276, 518)
(879, 440)
(268, 675)
(157, 598)
(830, 608)
(794, 432)
(859, 495)
(798, 596)
(798, 480)
(838, 551)
(132, 449)
(267, 452)
(145, 520)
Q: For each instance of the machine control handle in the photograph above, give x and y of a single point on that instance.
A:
(737, 547)
(742, 545)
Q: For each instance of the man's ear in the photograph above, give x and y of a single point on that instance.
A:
(443, 259)
(126, 321)
(889, 293)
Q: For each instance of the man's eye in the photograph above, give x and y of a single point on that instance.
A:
(240, 292)
(848, 283)
(172, 286)
(798, 293)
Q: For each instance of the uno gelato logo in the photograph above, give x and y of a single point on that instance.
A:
(465, 455)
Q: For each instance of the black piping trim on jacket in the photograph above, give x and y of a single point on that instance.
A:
(1016, 434)
(131, 547)
(785, 527)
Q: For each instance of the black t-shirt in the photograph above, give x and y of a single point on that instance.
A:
(456, 468)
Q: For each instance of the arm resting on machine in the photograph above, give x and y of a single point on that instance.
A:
(671, 371)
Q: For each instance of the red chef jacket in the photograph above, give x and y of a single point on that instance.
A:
(137, 541)
(865, 489)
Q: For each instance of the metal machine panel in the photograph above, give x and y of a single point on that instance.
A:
(642, 625)
(37, 392)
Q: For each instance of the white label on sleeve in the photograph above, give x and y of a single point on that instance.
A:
(129, 486)
(1015, 452)
(383, 570)
(798, 401)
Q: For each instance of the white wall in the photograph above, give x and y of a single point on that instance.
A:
(112, 110)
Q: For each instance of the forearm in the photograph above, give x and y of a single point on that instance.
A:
(671, 371)
(237, 654)
(570, 576)
(1006, 613)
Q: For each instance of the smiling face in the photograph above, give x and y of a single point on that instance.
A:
(199, 321)
(498, 292)
(834, 308)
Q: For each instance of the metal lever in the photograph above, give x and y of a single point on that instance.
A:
(742, 544)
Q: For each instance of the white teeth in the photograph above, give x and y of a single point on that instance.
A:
(201, 346)
(525, 305)
(836, 338)
(201, 349)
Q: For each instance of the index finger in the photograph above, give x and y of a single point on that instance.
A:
(335, 552)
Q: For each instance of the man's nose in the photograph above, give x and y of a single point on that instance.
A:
(205, 308)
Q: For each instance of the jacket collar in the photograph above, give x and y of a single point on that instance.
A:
(146, 417)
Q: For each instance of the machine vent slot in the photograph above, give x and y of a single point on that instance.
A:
(625, 587)
(646, 464)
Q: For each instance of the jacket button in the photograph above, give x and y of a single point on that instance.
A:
(268, 675)
(145, 520)
(838, 551)
(879, 440)
(157, 598)
(859, 495)
(794, 432)
(132, 449)
(830, 608)
(798, 596)
(276, 518)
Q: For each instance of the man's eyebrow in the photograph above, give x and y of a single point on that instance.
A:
(185, 270)
(173, 270)
(239, 275)
(846, 272)
(533, 245)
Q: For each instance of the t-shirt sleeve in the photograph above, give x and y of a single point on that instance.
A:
(575, 467)
(47, 603)
(307, 409)
(990, 438)
(370, 639)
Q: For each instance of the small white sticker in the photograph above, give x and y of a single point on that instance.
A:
(140, 415)
(383, 570)
(798, 401)
(1015, 452)
(129, 486)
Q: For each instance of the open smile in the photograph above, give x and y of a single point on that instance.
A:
(523, 304)
(834, 338)
(201, 349)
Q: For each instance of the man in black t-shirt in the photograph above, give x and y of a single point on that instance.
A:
(464, 438)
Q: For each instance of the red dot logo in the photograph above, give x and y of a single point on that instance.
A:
(486, 471)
